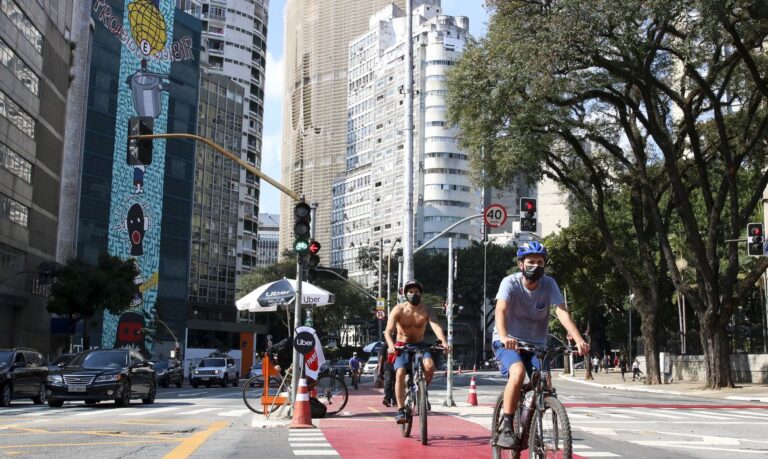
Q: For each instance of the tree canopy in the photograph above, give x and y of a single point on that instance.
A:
(663, 100)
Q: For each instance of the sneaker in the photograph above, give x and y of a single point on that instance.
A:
(386, 402)
(401, 417)
(507, 440)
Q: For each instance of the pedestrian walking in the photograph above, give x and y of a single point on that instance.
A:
(615, 362)
(636, 370)
(623, 367)
(595, 362)
(606, 362)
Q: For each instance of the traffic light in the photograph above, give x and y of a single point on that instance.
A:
(755, 239)
(302, 217)
(140, 151)
(313, 260)
(528, 214)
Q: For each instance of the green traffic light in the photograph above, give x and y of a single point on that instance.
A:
(301, 246)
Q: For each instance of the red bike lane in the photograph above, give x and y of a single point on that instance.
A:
(366, 428)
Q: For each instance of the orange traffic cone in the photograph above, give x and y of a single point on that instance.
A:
(472, 397)
(302, 415)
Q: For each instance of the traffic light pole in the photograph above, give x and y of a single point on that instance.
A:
(253, 170)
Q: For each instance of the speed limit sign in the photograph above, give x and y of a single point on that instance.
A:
(495, 215)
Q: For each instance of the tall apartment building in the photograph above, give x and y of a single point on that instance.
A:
(34, 83)
(235, 43)
(267, 248)
(317, 36)
(368, 199)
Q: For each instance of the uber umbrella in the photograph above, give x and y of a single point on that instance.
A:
(269, 297)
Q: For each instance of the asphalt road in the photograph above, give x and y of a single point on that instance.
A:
(215, 423)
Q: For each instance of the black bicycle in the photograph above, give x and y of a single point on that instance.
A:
(416, 395)
(545, 427)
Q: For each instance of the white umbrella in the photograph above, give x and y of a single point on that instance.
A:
(268, 297)
(373, 347)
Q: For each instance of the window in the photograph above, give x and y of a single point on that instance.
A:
(22, 22)
(22, 72)
(14, 163)
(14, 211)
(16, 115)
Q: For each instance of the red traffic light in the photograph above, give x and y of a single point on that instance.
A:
(528, 205)
(314, 247)
(756, 231)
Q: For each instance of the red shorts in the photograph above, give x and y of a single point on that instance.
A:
(392, 357)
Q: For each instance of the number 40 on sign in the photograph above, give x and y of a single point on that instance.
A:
(495, 215)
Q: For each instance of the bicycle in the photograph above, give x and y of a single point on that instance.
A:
(416, 395)
(546, 428)
(330, 389)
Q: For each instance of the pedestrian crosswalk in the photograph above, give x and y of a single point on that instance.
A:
(81, 411)
(605, 424)
(310, 443)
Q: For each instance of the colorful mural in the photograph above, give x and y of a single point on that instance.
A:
(146, 31)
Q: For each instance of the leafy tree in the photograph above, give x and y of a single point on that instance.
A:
(663, 99)
(81, 290)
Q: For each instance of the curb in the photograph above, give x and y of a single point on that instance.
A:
(626, 388)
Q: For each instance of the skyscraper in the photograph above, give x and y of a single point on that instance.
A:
(368, 199)
(317, 36)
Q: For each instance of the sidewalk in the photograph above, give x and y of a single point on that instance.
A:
(612, 380)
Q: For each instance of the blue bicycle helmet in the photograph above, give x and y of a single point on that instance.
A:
(531, 248)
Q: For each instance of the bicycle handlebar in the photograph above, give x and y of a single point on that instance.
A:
(437, 346)
(526, 346)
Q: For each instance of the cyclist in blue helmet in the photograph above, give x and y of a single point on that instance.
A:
(522, 313)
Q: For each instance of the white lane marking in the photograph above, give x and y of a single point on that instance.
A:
(600, 454)
(305, 439)
(758, 414)
(653, 413)
(703, 415)
(147, 411)
(201, 410)
(619, 416)
(312, 445)
(305, 434)
(235, 413)
(315, 452)
(598, 430)
(41, 413)
(191, 394)
(581, 447)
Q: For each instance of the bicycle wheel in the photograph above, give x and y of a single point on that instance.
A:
(423, 412)
(332, 392)
(551, 432)
(405, 428)
(253, 389)
(496, 425)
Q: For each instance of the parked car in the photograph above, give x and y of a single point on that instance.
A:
(341, 367)
(370, 366)
(23, 372)
(168, 372)
(220, 370)
(60, 361)
(103, 374)
(255, 371)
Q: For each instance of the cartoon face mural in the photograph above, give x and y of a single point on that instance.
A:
(130, 331)
(136, 224)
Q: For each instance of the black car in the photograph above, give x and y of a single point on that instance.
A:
(168, 372)
(341, 367)
(103, 374)
(23, 372)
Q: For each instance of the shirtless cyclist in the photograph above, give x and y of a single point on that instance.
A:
(409, 320)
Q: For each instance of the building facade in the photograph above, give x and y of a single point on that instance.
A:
(140, 207)
(267, 247)
(34, 84)
(317, 36)
(368, 198)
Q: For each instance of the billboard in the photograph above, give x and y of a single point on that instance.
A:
(148, 49)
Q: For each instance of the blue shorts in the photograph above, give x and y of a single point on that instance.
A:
(509, 357)
(401, 361)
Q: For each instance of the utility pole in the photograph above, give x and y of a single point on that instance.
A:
(408, 150)
(449, 313)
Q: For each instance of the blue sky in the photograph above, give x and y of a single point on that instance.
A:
(273, 113)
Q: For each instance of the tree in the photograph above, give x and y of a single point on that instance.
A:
(81, 290)
(664, 98)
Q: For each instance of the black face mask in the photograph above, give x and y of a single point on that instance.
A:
(533, 273)
(414, 299)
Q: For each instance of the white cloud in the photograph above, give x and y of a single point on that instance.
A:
(273, 83)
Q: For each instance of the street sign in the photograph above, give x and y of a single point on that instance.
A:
(495, 215)
(304, 342)
(380, 304)
(380, 315)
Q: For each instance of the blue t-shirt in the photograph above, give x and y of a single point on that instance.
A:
(527, 314)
